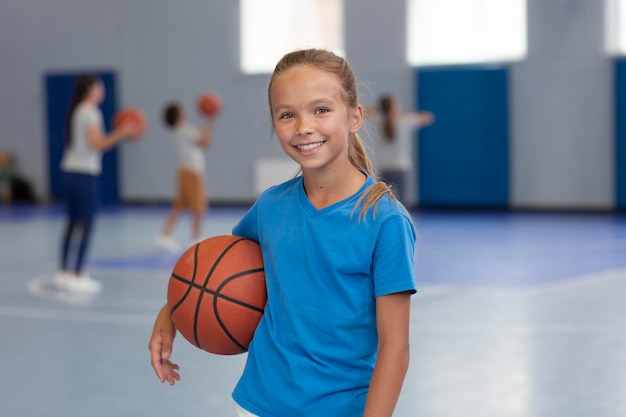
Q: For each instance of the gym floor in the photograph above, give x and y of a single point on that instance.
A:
(517, 315)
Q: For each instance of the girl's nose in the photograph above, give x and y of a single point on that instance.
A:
(305, 127)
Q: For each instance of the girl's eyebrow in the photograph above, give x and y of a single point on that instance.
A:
(313, 103)
(280, 107)
(321, 101)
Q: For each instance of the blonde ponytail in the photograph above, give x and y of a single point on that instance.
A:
(357, 154)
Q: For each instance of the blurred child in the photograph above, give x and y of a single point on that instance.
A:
(6, 177)
(189, 143)
(85, 142)
(394, 147)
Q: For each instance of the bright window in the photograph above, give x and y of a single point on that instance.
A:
(271, 28)
(448, 32)
(615, 26)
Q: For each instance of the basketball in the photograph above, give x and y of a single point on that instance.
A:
(216, 294)
(131, 115)
(209, 104)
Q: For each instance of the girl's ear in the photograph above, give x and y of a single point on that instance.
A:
(356, 119)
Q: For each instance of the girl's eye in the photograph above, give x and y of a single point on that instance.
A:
(321, 111)
(286, 116)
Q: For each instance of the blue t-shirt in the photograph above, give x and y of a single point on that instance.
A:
(314, 350)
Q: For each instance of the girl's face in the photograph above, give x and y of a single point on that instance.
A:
(181, 116)
(96, 93)
(311, 118)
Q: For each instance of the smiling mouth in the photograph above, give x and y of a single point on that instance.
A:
(310, 146)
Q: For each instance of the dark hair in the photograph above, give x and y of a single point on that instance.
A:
(171, 114)
(82, 86)
(389, 127)
(357, 154)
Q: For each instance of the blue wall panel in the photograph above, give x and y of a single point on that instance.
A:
(463, 158)
(620, 133)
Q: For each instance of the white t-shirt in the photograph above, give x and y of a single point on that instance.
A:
(79, 156)
(190, 155)
(395, 154)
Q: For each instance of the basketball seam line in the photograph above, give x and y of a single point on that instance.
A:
(193, 276)
(219, 295)
(217, 316)
(206, 281)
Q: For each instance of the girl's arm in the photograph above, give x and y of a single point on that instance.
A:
(206, 133)
(392, 319)
(425, 118)
(103, 142)
(160, 346)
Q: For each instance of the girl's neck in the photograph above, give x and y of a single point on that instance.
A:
(326, 188)
(89, 102)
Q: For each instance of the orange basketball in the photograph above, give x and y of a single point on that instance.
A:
(216, 294)
(209, 104)
(132, 115)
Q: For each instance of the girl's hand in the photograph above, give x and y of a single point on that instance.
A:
(130, 131)
(425, 118)
(160, 346)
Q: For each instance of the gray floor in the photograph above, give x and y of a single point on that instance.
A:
(517, 315)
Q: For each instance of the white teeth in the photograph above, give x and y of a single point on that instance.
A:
(309, 146)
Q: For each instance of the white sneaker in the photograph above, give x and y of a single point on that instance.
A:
(167, 243)
(60, 280)
(83, 284)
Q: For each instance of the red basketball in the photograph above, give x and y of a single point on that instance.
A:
(209, 104)
(131, 115)
(216, 294)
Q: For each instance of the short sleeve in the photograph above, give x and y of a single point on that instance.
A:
(248, 226)
(191, 133)
(92, 117)
(394, 257)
